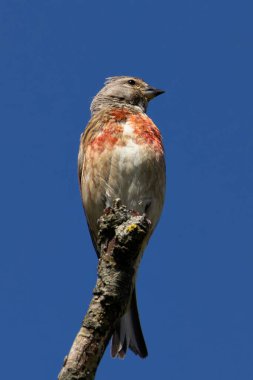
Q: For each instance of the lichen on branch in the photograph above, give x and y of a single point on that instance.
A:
(121, 234)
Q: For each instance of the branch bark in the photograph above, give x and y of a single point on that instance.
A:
(121, 233)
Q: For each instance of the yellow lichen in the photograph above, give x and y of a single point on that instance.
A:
(132, 227)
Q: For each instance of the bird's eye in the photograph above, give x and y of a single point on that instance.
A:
(132, 82)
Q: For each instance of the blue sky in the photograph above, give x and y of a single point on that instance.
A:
(195, 282)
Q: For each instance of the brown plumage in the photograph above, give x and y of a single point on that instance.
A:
(121, 156)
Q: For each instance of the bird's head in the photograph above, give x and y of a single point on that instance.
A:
(123, 90)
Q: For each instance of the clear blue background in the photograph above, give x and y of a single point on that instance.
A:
(195, 282)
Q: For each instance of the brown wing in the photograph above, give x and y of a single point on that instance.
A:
(93, 128)
(93, 172)
(80, 160)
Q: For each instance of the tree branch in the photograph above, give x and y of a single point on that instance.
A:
(121, 233)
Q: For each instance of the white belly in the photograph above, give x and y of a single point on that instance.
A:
(128, 177)
(132, 173)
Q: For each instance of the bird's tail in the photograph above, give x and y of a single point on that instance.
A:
(128, 333)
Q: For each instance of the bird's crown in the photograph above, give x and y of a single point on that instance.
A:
(124, 90)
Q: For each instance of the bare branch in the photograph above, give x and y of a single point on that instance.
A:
(121, 233)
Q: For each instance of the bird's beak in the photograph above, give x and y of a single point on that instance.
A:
(151, 92)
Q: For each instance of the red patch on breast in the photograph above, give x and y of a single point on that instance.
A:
(112, 131)
(108, 136)
(146, 131)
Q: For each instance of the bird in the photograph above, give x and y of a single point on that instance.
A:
(121, 155)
